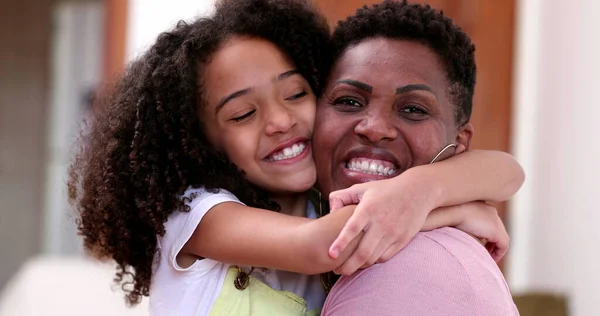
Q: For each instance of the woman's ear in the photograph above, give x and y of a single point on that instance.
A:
(463, 138)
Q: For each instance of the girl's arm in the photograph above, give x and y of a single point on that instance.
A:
(237, 234)
(246, 236)
(484, 175)
(478, 219)
(395, 209)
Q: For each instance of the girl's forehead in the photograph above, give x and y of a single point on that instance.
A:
(242, 64)
(244, 57)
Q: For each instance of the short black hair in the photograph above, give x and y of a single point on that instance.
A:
(147, 145)
(422, 24)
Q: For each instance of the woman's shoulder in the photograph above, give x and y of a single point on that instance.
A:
(456, 242)
(444, 269)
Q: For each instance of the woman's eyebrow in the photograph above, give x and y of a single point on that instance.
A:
(355, 83)
(415, 87)
(412, 87)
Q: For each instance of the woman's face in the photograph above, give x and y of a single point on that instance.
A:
(385, 109)
(260, 112)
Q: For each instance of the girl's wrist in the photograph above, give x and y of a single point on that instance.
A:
(423, 181)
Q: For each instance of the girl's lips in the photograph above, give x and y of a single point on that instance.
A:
(288, 143)
(306, 152)
(288, 152)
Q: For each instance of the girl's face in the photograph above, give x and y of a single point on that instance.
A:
(260, 112)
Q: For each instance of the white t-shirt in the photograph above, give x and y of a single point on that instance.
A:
(194, 290)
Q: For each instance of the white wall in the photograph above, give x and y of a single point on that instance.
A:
(148, 18)
(75, 72)
(555, 220)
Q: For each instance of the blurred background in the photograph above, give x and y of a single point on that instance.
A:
(538, 74)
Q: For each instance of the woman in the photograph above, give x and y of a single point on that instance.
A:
(400, 88)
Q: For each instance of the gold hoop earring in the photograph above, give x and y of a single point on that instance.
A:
(442, 151)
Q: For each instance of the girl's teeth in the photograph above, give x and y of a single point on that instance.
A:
(289, 152)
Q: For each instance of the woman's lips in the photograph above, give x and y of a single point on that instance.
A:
(362, 169)
(371, 166)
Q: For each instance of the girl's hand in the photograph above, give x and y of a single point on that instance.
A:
(389, 212)
(478, 219)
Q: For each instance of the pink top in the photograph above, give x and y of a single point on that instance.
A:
(441, 272)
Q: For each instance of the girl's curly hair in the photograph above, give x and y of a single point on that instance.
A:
(147, 146)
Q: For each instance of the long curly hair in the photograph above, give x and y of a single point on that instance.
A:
(147, 146)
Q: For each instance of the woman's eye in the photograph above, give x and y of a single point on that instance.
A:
(348, 101)
(243, 116)
(297, 96)
(414, 111)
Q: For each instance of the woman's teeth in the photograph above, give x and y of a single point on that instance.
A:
(288, 152)
(370, 166)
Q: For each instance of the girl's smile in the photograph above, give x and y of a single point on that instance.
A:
(260, 113)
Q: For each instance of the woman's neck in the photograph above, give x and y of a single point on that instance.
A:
(292, 204)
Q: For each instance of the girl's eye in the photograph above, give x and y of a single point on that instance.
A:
(297, 96)
(348, 101)
(243, 116)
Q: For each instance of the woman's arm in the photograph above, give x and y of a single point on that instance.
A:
(238, 234)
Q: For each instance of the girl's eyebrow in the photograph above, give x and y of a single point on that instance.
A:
(286, 74)
(242, 92)
(230, 97)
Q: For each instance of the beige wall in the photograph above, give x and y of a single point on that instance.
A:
(25, 29)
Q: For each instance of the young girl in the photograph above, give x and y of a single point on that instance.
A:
(203, 138)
